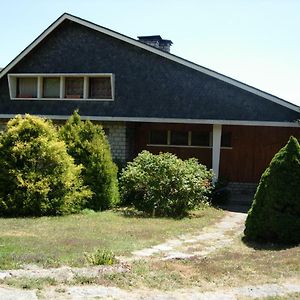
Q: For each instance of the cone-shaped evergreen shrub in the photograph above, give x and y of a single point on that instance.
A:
(37, 175)
(275, 212)
(88, 145)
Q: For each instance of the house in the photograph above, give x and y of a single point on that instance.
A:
(147, 98)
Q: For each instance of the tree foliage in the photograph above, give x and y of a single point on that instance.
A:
(37, 175)
(164, 184)
(275, 212)
(88, 145)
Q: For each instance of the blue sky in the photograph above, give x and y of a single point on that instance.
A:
(256, 42)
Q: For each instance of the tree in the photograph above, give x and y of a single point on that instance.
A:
(275, 212)
(37, 176)
(88, 145)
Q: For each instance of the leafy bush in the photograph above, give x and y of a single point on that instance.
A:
(275, 212)
(101, 257)
(88, 145)
(164, 184)
(37, 175)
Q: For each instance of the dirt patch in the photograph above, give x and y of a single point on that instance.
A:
(63, 273)
(96, 292)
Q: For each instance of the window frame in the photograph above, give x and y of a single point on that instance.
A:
(35, 79)
(13, 78)
(189, 145)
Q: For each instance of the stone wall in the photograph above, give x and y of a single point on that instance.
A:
(118, 140)
(2, 126)
(242, 187)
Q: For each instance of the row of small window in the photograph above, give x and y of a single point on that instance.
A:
(62, 87)
(186, 138)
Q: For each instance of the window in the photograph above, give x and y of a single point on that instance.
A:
(93, 87)
(226, 139)
(200, 139)
(158, 137)
(74, 87)
(191, 139)
(27, 87)
(51, 87)
(100, 88)
(179, 138)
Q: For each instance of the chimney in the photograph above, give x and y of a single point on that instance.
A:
(156, 41)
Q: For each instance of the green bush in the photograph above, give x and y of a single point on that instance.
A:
(275, 212)
(37, 176)
(164, 184)
(88, 145)
(100, 257)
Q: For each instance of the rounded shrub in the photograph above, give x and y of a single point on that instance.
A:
(37, 176)
(88, 145)
(275, 212)
(164, 184)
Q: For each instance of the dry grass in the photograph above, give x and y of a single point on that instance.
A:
(53, 241)
(233, 266)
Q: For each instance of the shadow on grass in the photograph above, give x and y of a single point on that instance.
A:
(130, 212)
(240, 208)
(267, 245)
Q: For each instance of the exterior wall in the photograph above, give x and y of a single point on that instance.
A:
(252, 149)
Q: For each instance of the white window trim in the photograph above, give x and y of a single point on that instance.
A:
(12, 83)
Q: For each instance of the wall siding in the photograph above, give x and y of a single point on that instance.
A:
(253, 147)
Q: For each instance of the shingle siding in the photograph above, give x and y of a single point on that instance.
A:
(146, 85)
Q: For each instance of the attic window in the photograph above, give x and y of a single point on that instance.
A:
(100, 88)
(80, 86)
(51, 87)
(74, 87)
(27, 87)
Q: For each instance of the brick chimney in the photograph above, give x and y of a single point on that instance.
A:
(156, 41)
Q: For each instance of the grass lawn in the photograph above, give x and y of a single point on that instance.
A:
(53, 241)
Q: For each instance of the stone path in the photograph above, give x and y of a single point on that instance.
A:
(208, 240)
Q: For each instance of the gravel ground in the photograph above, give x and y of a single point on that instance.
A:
(102, 292)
